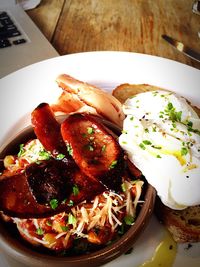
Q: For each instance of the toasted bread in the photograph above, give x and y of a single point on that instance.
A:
(126, 90)
(184, 225)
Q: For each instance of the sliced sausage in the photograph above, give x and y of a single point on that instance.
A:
(47, 130)
(94, 149)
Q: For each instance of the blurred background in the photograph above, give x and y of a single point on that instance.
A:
(73, 26)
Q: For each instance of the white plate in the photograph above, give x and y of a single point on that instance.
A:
(23, 90)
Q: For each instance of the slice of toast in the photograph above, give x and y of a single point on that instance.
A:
(126, 90)
(184, 225)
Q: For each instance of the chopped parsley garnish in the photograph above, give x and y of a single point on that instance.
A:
(64, 228)
(146, 142)
(54, 203)
(64, 201)
(39, 231)
(174, 124)
(75, 190)
(60, 156)
(48, 223)
(70, 150)
(129, 220)
(154, 129)
(190, 124)
(156, 147)
(190, 129)
(184, 151)
(123, 186)
(90, 130)
(21, 150)
(103, 148)
(44, 154)
(155, 93)
(141, 145)
(71, 203)
(178, 115)
(113, 164)
(170, 106)
(172, 113)
(71, 219)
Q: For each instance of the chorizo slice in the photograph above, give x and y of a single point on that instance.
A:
(47, 129)
(16, 199)
(49, 179)
(45, 189)
(94, 148)
(84, 187)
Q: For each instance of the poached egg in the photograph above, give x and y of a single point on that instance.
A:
(161, 135)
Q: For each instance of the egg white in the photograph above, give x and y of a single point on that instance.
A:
(161, 135)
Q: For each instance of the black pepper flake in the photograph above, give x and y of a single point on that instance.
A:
(170, 247)
(188, 246)
(187, 176)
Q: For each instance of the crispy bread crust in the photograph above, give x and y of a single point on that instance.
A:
(126, 90)
(184, 225)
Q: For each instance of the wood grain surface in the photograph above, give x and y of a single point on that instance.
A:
(119, 25)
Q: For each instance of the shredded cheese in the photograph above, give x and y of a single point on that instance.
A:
(106, 209)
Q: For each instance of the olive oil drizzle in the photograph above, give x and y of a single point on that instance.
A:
(164, 255)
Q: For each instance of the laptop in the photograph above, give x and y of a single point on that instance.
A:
(21, 42)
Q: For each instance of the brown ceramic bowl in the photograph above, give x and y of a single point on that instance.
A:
(21, 252)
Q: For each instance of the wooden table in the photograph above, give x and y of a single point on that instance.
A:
(119, 25)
